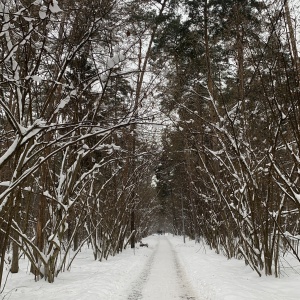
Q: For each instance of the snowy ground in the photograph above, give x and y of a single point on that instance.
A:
(163, 276)
(166, 270)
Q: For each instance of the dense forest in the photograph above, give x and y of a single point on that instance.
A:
(119, 118)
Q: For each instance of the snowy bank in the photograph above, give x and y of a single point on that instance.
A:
(216, 278)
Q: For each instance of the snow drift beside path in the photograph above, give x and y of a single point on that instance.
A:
(212, 276)
(87, 280)
(216, 278)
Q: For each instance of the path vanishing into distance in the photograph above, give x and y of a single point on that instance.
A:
(163, 277)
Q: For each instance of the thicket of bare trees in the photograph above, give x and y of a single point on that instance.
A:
(231, 160)
(73, 158)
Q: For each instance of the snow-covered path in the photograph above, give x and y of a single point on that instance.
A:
(162, 278)
(167, 270)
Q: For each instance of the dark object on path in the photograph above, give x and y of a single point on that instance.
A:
(143, 245)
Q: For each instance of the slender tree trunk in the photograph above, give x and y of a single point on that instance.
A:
(240, 53)
(292, 37)
(5, 239)
(15, 252)
(132, 226)
(207, 51)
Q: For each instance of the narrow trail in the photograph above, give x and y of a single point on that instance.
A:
(162, 278)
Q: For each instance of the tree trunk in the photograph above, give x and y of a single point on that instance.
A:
(15, 257)
(15, 247)
(292, 37)
(207, 52)
(132, 227)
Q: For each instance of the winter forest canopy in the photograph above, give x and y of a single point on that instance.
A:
(119, 118)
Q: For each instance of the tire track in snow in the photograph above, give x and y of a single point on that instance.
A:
(186, 288)
(137, 287)
(162, 277)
